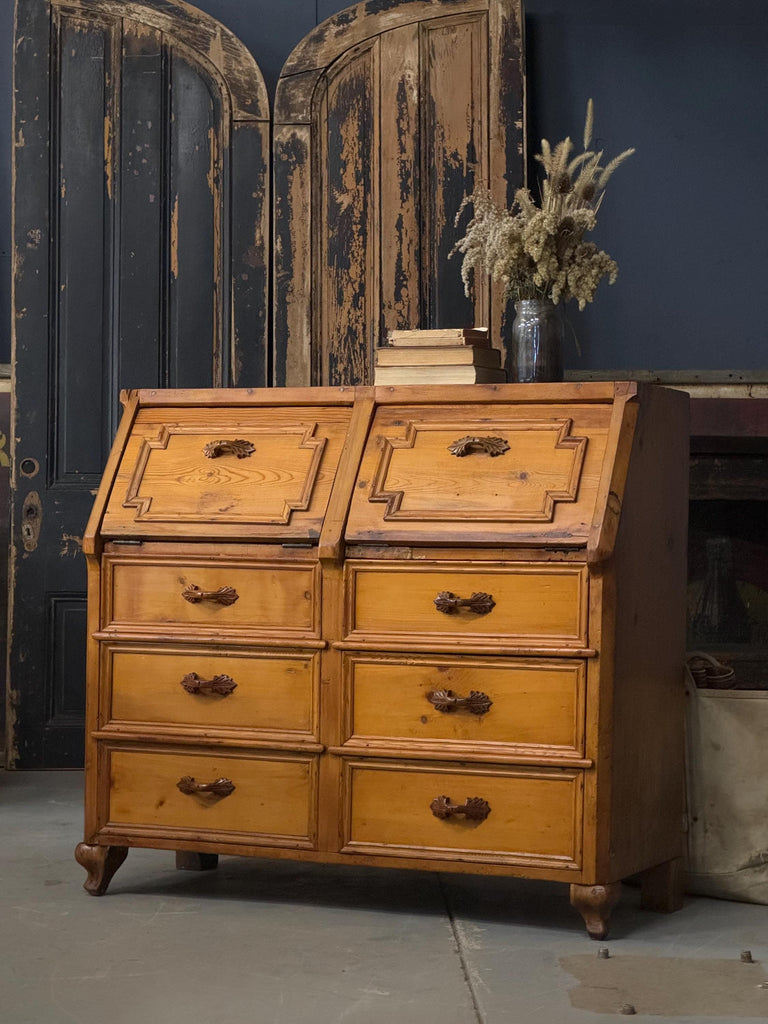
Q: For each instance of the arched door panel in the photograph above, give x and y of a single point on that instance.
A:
(141, 212)
(386, 116)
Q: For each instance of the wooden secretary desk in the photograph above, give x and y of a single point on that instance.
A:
(426, 627)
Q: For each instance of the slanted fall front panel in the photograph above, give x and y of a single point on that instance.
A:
(384, 120)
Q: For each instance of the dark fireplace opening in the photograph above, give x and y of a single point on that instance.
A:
(728, 585)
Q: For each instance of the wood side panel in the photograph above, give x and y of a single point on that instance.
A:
(93, 779)
(143, 252)
(196, 347)
(454, 158)
(82, 315)
(346, 318)
(292, 255)
(249, 331)
(507, 140)
(400, 181)
(650, 567)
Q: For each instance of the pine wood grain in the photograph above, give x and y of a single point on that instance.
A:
(273, 796)
(535, 815)
(537, 706)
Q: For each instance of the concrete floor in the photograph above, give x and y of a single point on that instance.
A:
(264, 942)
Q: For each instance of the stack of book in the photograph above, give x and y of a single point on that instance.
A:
(451, 356)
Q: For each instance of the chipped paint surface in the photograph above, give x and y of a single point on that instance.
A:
(345, 309)
(293, 254)
(200, 33)
(71, 545)
(400, 181)
(455, 114)
(108, 166)
(384, 192)
(174, 265)
(78, 284)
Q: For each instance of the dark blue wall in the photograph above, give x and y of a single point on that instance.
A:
(686, 83)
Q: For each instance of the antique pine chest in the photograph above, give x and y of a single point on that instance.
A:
(426, 627)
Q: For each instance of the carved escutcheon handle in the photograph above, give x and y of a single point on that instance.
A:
(492, 446)
(241, 449)
(449, 603)
(219, 787)
(224, 595)
(223, 685)
(474, 808)
(446, 700)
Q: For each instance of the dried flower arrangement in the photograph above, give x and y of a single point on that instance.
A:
(540, 252)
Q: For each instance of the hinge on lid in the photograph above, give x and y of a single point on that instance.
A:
(127, 540)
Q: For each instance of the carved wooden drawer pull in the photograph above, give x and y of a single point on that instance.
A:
(224, 595)
(446, 700)
(219, 787)
(222, 685)
(474, 808)
(449, 603)
(492, 446)
(241, 449)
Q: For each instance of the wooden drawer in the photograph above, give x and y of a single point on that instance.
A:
(227, 472)
(531, 605)
(524, 472)
(205, 690)
(481, 707)
(159, 593)
(535, 816)
(273, 800)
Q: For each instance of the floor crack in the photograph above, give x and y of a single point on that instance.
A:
(479, 1015)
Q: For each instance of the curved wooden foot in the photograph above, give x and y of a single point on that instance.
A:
(187, 860)
(101, 862)
(595, 903)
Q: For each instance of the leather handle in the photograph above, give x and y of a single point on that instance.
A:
(480, 603)
(219, 787)
(239, 448)
(224, 595)
(474, 808)
(222, 685)
(492, 446)
(476, 703)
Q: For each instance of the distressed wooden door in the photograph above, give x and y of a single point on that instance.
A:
(141, 205)
(386, 115)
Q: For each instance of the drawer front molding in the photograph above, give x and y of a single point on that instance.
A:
(533, 707)
(180, 792)
(521, 604)
(154, 593)
(212, 691)
(493, 814)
